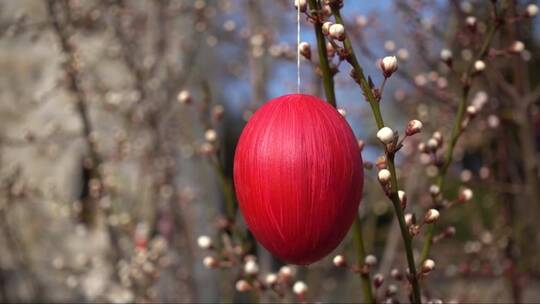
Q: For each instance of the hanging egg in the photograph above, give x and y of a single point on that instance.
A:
(298, 176)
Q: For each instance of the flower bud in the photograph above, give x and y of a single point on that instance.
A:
(286, 272)
(471, 22)
(326, 27)
(242, 286)
(378, 280)
(479, 66)
(339, 261)
(432, 144)
(446, 55)
(402, 199)
(343, 112)
(305, 50)
(337, 31)
(517, 47)
(437, 136)
(210, 135)
(370, 260)
(392, 290)
(301, 4)
(434, 190)
(210, 262)
(531, 10)
(414, 126)
(184, 97)
(386, 135)
(471, 111)
(431, 216)
(384, 176)
(300, 288)
(396, 274)
(389, 65)
(465, 195)
(204, 242)
(251, 267)
(409, 219)
(380, 162)
(271, 279)
(428, 266)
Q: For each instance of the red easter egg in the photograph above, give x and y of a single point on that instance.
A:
(299, 177)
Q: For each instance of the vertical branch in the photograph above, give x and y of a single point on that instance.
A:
(328, 82)
(457, 129)
(72, 72)
(393, 192)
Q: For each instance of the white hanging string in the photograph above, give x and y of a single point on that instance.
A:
(297, 46)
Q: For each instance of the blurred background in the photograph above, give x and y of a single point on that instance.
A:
(118, 122)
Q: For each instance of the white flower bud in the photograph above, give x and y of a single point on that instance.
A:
(301, 4)
(402, 198)
(414, 126)
(370, 260)
(479, 65)
(300, 288)
(431, 216)
(326, 27)
(210, 262)
(251, 267)
(286, 272)
(378, 280)
(184, 97)
(408, 219)
(210, 135)
(384, 176)
(532, 10)
(471, 21)
(204, 242)
(385, 135)
(403, 54)
(271, 279)
(242, 286)
(446, 55)
(517, 47)
(392, 289)
(389, 65)
(389, 45)
(432, 144)
(465, 195)
(339, 261)
(434, 190)
(337, 31)
(428, 266)
(305, 50)
(471, 111)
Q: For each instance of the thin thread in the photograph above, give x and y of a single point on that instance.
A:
(298, 47)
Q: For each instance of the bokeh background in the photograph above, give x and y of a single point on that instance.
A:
(118, 122)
